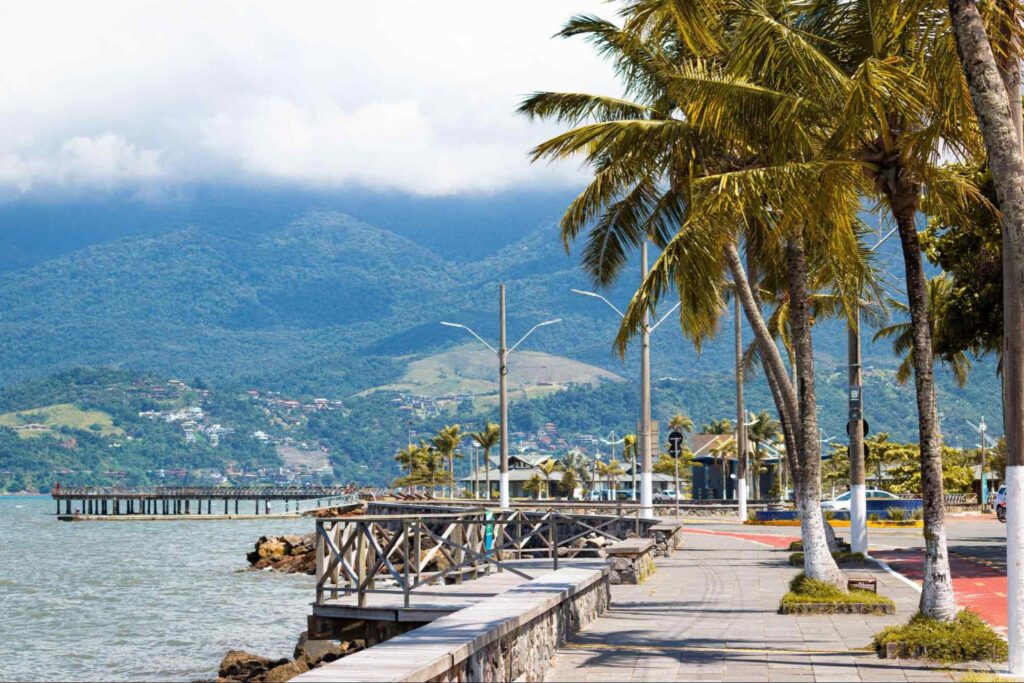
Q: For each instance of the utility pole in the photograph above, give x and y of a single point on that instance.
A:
(503, 499)
(646, 492)
(855, 428)
(982, 430)
(502, 352)
(741, 425)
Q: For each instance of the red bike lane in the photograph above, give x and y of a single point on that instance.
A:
(978, 587)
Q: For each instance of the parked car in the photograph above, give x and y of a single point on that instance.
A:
(842, 501)
(666, 496)
(1001, 504)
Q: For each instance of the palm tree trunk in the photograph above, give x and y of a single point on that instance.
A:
(770, 355)
(937, 600)
(818, 561)
(487, 470)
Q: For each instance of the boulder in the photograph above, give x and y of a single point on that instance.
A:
(315, 652)
(239, 665)
(286, 671)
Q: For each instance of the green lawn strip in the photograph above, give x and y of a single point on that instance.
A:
(812, 596)
(965, 639)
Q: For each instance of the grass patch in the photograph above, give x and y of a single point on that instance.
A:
(984, 677)
(965, 639)
(805, 590)
(60, 415)
(842, 558)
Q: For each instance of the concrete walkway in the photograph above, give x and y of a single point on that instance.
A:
(709, 613)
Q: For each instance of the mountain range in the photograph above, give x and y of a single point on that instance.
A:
(343, 294)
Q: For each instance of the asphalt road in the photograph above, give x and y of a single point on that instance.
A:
(978, 537)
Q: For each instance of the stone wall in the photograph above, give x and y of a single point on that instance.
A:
(509, 637)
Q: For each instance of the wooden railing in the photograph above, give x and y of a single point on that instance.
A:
(393, 553)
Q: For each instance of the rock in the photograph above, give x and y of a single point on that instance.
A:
(239, 665)
(315, 652)
(289, 554)
(287, 671)
(272, 548)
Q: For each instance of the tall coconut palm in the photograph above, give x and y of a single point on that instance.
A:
(487, 439)
(692, 176)
(902, 334)
(761, 429)
(447, 443)
(629, 454)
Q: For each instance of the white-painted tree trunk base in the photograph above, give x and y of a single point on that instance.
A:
(1014, 570)
(646, 495)
(859, 519)
(503, 491)
(741, 492)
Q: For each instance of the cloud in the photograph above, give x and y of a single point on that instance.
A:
(397, 94)
(105, 162)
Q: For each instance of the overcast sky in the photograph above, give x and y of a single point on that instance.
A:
(395, 94)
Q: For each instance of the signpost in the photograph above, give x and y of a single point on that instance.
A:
(675, 449)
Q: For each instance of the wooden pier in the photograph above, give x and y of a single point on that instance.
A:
(83, 503)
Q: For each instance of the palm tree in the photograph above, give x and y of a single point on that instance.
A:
(755, 147)
(487, 439)
(629, 455)
(434, 468)
(720, 426)
(447, 442)
(681, 423)
(902, 333)
(611, 471)
(535, 485)
(547, 468)
(762, 428)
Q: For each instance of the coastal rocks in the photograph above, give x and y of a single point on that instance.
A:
(239, 665)
(289, 554)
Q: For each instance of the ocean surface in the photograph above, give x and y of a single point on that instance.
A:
(138, 601)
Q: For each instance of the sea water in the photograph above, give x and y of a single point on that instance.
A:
(138, 600)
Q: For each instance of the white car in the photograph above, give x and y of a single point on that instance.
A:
(842, 501)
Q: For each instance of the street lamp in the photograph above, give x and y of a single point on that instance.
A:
(502, 353)
(644, 438)
(981, 428)
(855, 428)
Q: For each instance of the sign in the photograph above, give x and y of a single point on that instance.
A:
(675, 443)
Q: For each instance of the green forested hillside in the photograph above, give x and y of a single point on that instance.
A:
(318, 303)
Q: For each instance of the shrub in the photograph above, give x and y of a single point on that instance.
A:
(796, 545)
(896, 514)
(965, 639)
(803, 590)
(873, 517)
(917, 514)
(830, 515)
(840, 556)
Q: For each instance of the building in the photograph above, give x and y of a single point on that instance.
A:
(715, 466)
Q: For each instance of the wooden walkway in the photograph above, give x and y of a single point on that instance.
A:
(428, 603)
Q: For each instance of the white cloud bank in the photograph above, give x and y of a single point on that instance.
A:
(396, 94)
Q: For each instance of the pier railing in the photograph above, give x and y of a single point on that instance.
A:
(400, 553)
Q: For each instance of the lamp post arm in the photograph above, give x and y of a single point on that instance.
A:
(467, 329)
(532, 329)
(598, 296)
(664, 317)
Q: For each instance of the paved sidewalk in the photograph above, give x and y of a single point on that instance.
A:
(709, 613)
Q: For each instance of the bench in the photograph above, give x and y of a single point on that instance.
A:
(631, 560)
(668, 537)
(510, 636)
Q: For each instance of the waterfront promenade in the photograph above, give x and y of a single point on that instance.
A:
(710, 613)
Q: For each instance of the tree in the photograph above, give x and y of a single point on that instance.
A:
(547, 468)
(487, 439)
(611, 471)
(940, 291)
(535, 485)
(721, 426)
(570, 481)
(447, 443)
(629, 454)
(762, 429)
